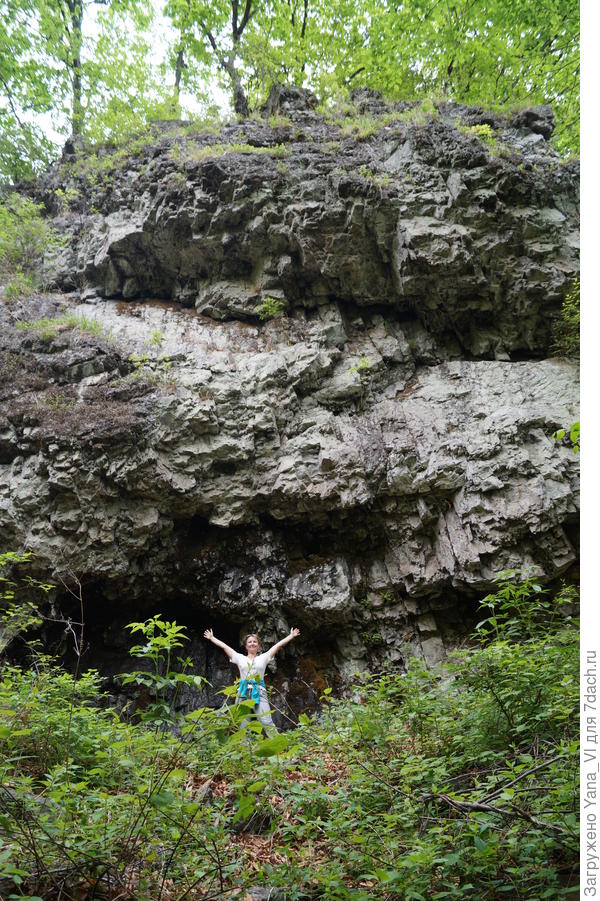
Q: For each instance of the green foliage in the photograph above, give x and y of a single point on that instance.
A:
(17, 613)
(270, 307)
(94, 72)
(381, 179)
(207, 151)
(95, 78)
(483, 132)
(58, 401)
(25, 237)
(361, 127)
(161, 639)
(571, 436)
(48, 327)
(152, 372)
(454, 783)
(521, 609)
(156, 338)
(362, 364)
(419, 114)
(566, 331)
(21, 285)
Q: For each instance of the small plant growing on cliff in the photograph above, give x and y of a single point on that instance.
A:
(381, 179)
(48, 327)
(153, 372)
(67, 198)
(362, 364)
(215, 150)
(570, 436)
(566, 330)
(279, 121)
(372, 639)
(270, 307)
(418, 114)
(58, 401)
(156, 338)
(361, 127)
(21, 285)
(485, 134)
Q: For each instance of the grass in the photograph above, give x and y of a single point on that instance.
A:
(216, 150)
(48, 327)
(21, 285)
(381, 179)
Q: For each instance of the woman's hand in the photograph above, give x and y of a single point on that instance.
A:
(294, 633)
(208, 633)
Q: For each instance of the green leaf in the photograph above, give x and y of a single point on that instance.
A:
(256, 786)
(162, 799)
(270, 746)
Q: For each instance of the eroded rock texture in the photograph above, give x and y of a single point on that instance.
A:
(359, 464)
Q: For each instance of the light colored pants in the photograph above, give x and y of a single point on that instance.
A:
(262, 709)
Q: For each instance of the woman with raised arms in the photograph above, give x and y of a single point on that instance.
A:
(252, 672)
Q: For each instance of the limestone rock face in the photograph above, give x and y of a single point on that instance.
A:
(322, 395)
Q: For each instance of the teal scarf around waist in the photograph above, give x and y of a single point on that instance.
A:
(254, 692)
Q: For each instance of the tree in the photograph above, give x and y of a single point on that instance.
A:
(481, 51)
(61, 28)
(25, 94)
(86, 66)
(89, 61)
(212, 34)
(487, 52)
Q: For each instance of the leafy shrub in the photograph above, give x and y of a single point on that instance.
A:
(455, 783)
(25, 238)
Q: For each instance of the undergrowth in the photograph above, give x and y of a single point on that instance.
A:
(26, 239)
(454, 783)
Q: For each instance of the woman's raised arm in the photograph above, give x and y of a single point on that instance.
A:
(277, 647)
(220, 644)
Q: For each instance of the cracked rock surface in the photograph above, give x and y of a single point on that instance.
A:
(362, 459)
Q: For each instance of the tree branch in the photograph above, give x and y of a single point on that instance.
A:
(524, 775)
(245, 18)
(12, 106)
(515, 812)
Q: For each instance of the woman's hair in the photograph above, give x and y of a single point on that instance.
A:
(251, 635)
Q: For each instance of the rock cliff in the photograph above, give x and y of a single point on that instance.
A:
(299, 374)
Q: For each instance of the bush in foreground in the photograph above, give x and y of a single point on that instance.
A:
(459, 783)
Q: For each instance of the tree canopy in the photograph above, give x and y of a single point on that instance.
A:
(94, 68)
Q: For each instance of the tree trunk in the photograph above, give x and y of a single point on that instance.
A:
(76, 14)
(240, 101)
(179, 67)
